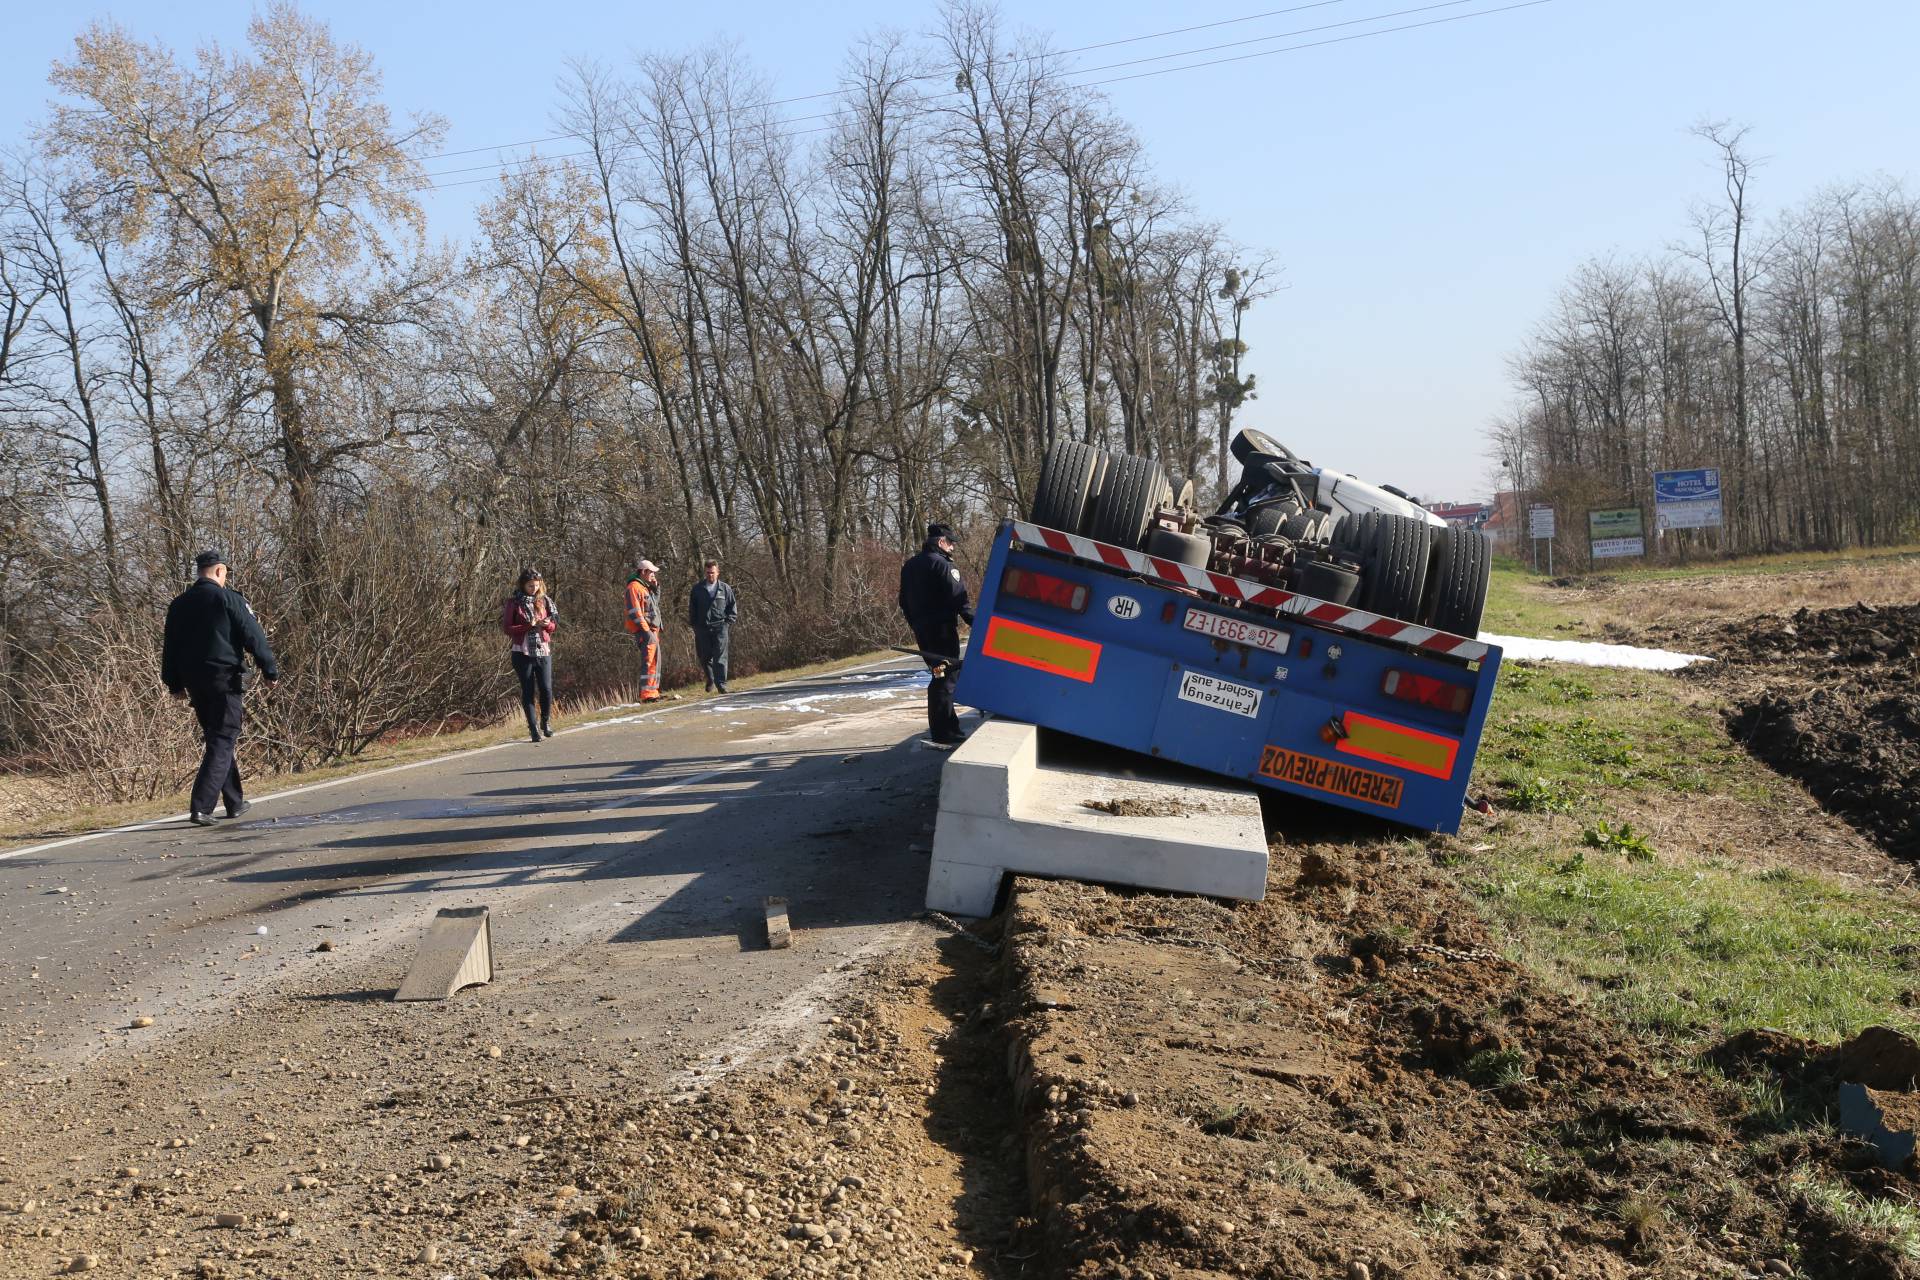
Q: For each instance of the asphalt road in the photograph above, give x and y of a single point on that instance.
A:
(654, 836)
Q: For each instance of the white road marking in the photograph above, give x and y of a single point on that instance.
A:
(157, 823)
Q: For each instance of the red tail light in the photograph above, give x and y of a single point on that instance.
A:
(1044, 588)
(1426, 691)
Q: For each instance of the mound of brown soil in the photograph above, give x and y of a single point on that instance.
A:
(1348, 1080)
(1832, 699)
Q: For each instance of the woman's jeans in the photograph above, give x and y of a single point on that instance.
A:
(535, 674)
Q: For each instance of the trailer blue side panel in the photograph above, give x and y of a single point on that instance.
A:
(1129, 669)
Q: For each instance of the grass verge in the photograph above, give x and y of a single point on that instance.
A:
(1643, 858)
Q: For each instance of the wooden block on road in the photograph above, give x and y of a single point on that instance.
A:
(779, 932)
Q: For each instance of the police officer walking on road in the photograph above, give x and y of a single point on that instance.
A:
(711, 609)
(211, 631)
(934, 599)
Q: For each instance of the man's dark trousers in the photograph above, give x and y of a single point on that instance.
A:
(943, 721)
(217, 707)
(710, 644)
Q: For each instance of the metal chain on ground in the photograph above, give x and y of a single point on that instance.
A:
(954, 926)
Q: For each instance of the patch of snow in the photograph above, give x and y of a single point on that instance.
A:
(1589, 653)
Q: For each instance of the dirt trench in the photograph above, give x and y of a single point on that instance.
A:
(1347, 1080)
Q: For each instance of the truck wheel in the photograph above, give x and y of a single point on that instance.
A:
(1395, 584)
(1066, 486)
(1334, 583)
(1134, 488)
(1102, 463)
(1269, 518)
(1181, 548)
(1306, 526)
(1353, 536)
(1457, 595)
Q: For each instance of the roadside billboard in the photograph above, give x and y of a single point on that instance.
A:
(1539, 522)
(1616, 532)
(1687, 499)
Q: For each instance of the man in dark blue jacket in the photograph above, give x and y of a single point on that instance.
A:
(211, 632)
(711, 610)
(934, 599)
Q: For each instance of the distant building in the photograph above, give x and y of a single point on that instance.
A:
(1470, 514)
(1505, 522)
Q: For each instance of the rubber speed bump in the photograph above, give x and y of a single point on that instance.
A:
(457, 952)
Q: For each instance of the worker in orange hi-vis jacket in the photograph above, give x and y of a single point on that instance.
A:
(643, 620)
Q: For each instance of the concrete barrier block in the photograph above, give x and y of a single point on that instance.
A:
(991, 768)
(1006, 810)
(457, 952)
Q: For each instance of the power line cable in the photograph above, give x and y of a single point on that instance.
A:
(828, 93)
(1210, 48)
(1111, 66)
(1161, 71)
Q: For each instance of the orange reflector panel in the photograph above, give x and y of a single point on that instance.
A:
(1390, 743)
(1041, 649)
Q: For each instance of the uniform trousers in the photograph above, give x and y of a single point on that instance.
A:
(216, 705)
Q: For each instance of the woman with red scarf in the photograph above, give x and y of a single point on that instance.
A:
(529, 617)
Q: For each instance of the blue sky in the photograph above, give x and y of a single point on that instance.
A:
(1425, 192)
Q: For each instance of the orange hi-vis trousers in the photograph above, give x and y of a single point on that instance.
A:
(648, 642)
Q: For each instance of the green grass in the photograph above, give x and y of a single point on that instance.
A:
(1696, 950)
(1661, 932)
(1893, 1221)
(1786, 562)
(1555, 739)
(1520, 604)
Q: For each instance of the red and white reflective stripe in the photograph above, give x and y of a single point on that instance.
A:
(1259, 596)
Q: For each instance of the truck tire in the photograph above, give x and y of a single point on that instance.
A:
(1102, 463)
(1181, 548)
(1353, 536)
(1306, 526)
(1066, 486)
(1395, 583)
(1134, 488)
(1268, 518)
(1457, 594)
(1334, 583)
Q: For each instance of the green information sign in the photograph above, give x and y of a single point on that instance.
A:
(1616, 532)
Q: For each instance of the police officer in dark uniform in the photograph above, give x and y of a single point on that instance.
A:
(211, 631)
(935, 601)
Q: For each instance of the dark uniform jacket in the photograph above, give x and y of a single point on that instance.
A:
(711, 607)
(933, 598)
(210, 631)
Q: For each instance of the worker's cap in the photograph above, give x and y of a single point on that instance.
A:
(940, 531)
(648, 566)
(209, 558)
